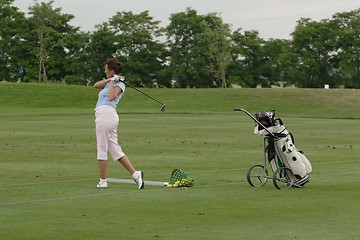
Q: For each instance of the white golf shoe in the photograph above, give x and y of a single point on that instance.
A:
(102, 183)
(138, 178)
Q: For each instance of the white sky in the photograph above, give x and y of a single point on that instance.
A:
(272, 18)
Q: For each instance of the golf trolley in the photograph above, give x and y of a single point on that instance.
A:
(290, 168)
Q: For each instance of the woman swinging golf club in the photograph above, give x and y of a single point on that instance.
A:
(107, 120)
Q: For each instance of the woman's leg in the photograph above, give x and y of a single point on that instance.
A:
(102, 168)
(124, 160)
(117, 153)
(137, 175)
(102, 140)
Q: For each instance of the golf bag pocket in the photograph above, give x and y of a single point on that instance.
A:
(305, 161)
(291, 157)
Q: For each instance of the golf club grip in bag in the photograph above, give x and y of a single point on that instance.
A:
(292, 157)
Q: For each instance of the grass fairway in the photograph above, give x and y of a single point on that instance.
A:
(48, 166)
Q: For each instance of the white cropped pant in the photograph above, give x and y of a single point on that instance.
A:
(107, 120)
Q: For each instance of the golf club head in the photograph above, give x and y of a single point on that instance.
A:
(162, 109)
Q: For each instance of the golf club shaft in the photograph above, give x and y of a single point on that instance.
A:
(143, 93)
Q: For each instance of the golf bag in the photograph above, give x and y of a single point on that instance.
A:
(280, 147)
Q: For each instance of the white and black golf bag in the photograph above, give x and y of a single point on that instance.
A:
(280, 147)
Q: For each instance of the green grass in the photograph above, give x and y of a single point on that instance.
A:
(48, 167)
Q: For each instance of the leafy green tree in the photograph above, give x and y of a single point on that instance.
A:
(52, 29)
(215, 45)
(287, 69)
(347, 25)
(137, 37)
(76, 61)
(101, 45)
(199, 47)
(318, 62)
(280, 63)
(13, 27)
(200, 50)
(134, 40)
(187, 60)
(247, 59)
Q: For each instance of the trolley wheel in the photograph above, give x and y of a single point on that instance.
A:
(257, 175)
(283, 178)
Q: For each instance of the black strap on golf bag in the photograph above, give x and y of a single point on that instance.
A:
(270, 148)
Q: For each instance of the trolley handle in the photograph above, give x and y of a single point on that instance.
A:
(253, 118)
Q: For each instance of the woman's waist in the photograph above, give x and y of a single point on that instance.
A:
(104, 108)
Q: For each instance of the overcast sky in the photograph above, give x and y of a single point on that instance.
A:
(272, 18)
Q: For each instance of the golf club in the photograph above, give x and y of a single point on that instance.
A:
(122, 79)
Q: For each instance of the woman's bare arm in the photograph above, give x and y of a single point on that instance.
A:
(101, 84)
(113, 91)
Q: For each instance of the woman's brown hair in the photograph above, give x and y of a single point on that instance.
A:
(114, 64)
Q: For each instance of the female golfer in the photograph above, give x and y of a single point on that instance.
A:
(107, 120)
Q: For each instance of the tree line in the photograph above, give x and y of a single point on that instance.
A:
(193, 50)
